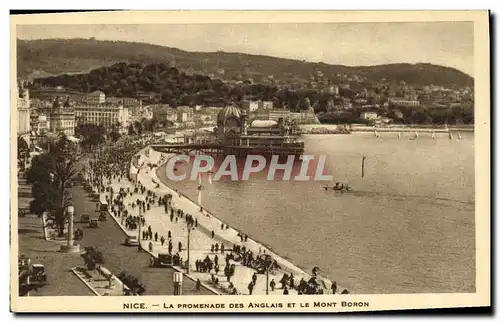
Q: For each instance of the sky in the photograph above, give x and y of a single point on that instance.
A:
(353, 44)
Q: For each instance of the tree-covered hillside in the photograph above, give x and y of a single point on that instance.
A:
(58, 56)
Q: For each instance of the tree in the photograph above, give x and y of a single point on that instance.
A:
(92, 257)
(22, 153)
(50, 175)
(132, 283)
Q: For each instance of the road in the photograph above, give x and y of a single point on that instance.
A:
(108, 238)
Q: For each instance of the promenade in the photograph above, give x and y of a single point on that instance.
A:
(108, 238)
(201, 238)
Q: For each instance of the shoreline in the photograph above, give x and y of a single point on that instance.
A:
(338, 129)
(287, 266)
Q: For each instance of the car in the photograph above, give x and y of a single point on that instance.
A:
(131, 241)
(102, 216)
(85, 218)
(164, 260)
(94, 223)
(38, 274)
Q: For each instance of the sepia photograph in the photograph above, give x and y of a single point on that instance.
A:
(312, 161)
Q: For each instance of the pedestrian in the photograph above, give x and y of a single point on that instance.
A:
(334, 287)
(212, 248)
(196, 222)
(250, 287)
(170, 247)
(180, 247)
(221, 248)
(213, 234)
(216, 248)
(198, 284)
(162, 240)
(156, 237)
(285, 291)
(254, 278)
(272, 284)
(169, 234)
(221, 226)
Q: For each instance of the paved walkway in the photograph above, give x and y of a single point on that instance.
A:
(98, 283)
(108, 238)
(201, 240)
(60, 280)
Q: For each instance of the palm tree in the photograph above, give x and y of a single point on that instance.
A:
(51, 175)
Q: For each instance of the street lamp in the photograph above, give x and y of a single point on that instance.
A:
(139, 230)
(268, 262)
(189, 228)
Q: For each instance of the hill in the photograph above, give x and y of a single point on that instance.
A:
(41, 58)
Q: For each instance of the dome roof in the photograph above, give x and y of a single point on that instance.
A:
(226, 112)
(263, 123)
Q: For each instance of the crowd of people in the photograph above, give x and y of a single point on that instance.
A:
(114, 164)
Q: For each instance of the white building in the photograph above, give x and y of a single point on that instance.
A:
(185, 114)
(333, 89)
(250, 106)
(265, 105)
(96, 97)
(403, 102)
(23, 111)
(369, 116)
(105, 114)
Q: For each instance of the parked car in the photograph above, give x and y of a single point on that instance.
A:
(94, 223)
(131, 241)
(102, 216)
(85, 218)
(38, 275)
(164, 260)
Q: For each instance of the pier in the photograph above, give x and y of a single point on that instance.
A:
(225, 149)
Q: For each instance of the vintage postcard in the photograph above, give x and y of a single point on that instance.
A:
(238, 161)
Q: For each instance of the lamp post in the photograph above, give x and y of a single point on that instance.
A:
(189, 227)
(139, 230)
(268, 265)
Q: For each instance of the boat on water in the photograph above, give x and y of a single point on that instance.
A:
(338, 187)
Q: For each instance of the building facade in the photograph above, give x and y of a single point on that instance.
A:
(105, 114)
(265, 105)
(23, 111)
(250, 106)
(62, 118)
(165, 114)
(369, 116)
(185, 114)
(403, 102)
(96, 97)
